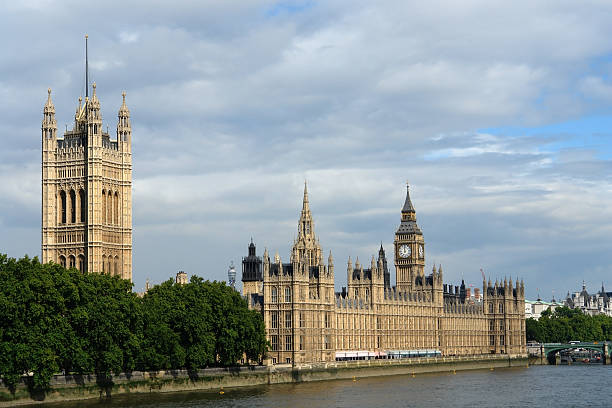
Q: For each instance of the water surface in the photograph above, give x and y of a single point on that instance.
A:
(538, 386)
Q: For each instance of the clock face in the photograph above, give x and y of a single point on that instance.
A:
(421, 251)
(404, 251)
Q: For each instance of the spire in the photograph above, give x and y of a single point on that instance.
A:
(408, 203)
(49, 101)
(123, 110)
(305, 206)
(409, 223)
(330, 259)
(49, 109)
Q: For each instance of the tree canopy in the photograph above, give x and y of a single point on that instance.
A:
(565, 324)
(54, 319)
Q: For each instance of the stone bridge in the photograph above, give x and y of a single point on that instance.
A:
(549, 350)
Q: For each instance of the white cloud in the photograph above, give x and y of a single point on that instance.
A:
(233, 107)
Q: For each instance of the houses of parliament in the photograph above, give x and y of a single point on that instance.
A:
(87, 224)
(87, 190)
(307, 321)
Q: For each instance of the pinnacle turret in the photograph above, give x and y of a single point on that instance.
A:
(49, 123)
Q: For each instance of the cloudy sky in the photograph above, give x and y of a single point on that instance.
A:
(498, 114)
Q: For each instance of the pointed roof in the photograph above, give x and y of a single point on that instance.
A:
(49, 101)
(305, 206)
(123, 110)
(408, 224)
(408, 207)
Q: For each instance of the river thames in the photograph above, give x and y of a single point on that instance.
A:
(537, 386)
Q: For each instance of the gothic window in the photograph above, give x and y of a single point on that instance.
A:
(274, 342)
(491, 325)
(72, 206)
(326, 320)
(274, 295)
(326, 341)
(116, 208)
(109, 216)
(501, 308)
(356, 293)
(63, 207)
(288, 294)
(288, 322)
(492, 340)
(117, 265)
(301, 319)
(501, 325)
(288, 343)
(274, 320)
(83, 201)
(367, 293)
(490, 307)
(104, 264)
(82, 263)
(502, 340)
(301, 343)
(62, 260)
(104, 206)
(71, 261)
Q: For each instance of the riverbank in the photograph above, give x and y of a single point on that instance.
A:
(74, 387)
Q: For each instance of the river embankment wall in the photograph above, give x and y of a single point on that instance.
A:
(76, 387)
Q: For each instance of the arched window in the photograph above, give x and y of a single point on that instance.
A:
(82, 266)
(116, 208)
(274, 295)
(287, 294)
(490, 307)
(117, 270)
(103, 207)
(104, 264)
(109, 216)
(63, 209)
(83, 201)
(72, 206)
(62, 260)
(71, 261)
(501, 308)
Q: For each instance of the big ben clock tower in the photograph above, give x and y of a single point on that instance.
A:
(409, 250)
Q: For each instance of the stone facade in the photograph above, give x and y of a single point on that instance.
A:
(87, 191)
(595, 304)
(307, 321)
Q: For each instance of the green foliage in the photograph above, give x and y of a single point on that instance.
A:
(53, 319)
(567, 324)
(197, 325)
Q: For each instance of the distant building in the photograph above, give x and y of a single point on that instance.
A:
(534, 308)
(181, 278)
(231, 275)
(598, 303)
